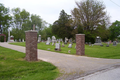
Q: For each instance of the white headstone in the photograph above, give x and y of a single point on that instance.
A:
(22, 40)
(57, 46)
(70, 46)
(48, 41)
(66, 39)
(39, 38)
(19, 40)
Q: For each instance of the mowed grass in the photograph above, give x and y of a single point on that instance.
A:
(111, 52)
(14, 67)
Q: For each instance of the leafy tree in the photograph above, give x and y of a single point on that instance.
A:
(114, 30)
(21, 23)
(37, 21)
(4, 19)
(47, 32)
(103, 32)
(88, 16)
(62, 27)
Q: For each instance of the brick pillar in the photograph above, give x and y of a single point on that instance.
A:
(31, 45)
(80, 44)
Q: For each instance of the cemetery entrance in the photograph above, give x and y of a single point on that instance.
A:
(3, 36)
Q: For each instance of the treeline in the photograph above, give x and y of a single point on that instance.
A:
(19, 21)
(89, 18)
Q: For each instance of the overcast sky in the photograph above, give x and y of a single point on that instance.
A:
(49, 9)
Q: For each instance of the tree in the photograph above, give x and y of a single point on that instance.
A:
(4, 18)
(37, 21)
(88, 15)
(21, 23)
(62, 27)
(114, 30)
(47, 32)
(103, 32)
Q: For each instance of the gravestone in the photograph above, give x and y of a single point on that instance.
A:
(70, 40)
(11, 38)
(19, 40)
(70, 46)
(89, 43)
(31, 45)
(39, 38)
(98, 41)
(86, 43)
(57, 47)
(92, 44)
(114, 43)
(48, 41)
(108, 44)
(63, 45)
(69, 51)
(23, 40)
(66, 39)
(53, 40)
(80, 47)
(101, 45)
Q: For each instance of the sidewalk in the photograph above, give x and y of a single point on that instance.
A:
(71, 66)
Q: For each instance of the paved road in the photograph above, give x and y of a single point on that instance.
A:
(113, 74)
(71, 66)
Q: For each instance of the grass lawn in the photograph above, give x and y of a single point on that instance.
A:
(112, 52)
(14, 67)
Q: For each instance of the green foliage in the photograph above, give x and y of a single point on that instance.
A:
(89, 37)
(22, 21)
(14, 67)
(114, 30)
(37, 21)
(112, 52)
(4, 19)
(62, 27)
(88, 16)
(47, 32)
(103, 32)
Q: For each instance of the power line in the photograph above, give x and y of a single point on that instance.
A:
(115, 3)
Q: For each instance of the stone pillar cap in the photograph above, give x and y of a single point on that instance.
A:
(31, 31)
(80, 34)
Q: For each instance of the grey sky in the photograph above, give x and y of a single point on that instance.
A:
(49, 9)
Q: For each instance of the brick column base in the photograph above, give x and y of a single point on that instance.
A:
(80, 44)
(31, 45)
